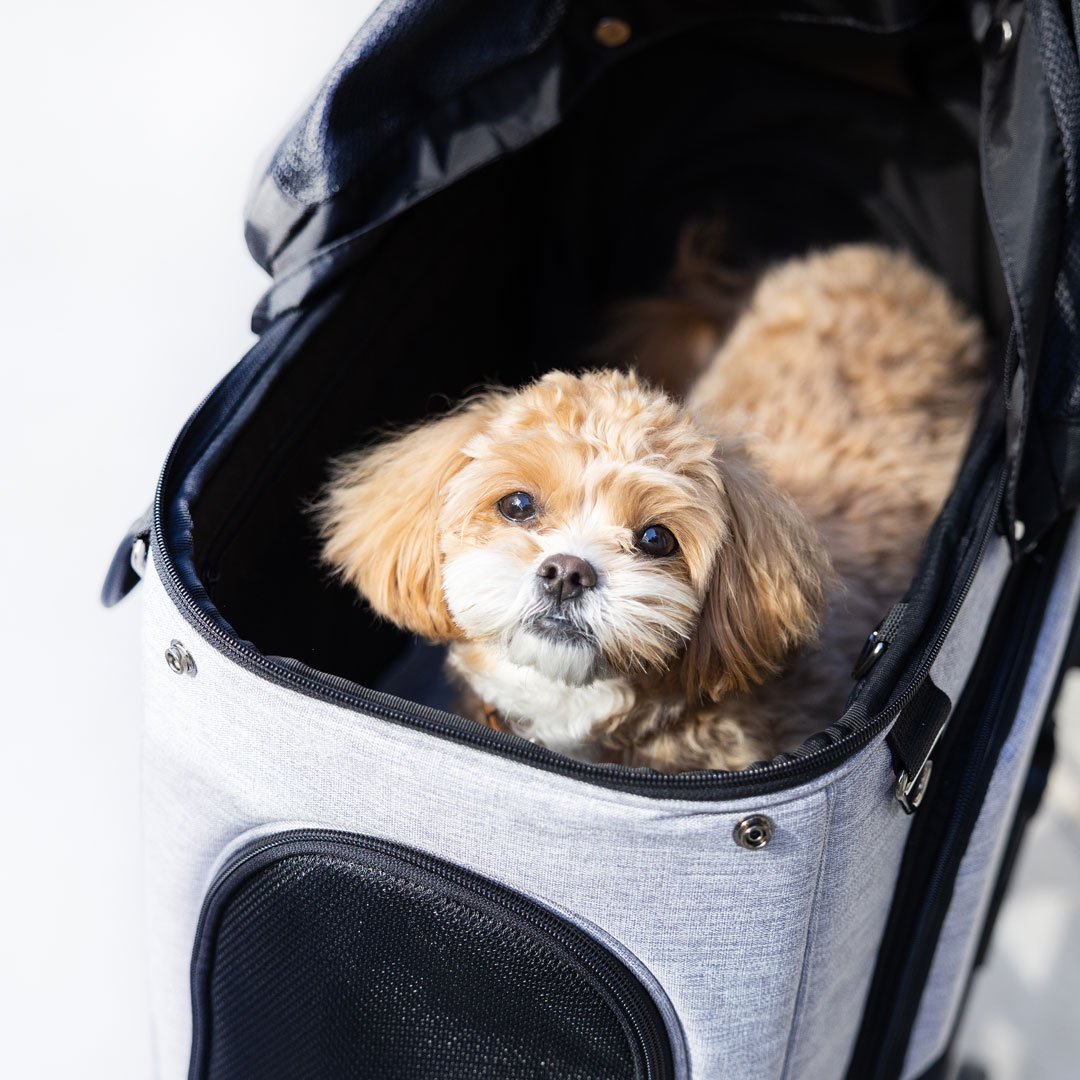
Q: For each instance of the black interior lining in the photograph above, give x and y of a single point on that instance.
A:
(799, 136)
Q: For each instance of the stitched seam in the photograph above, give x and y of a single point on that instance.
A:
(808, 946)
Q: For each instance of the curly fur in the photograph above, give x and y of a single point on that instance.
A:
(799, 479)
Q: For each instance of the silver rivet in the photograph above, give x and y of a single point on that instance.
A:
(138, 556)
(872, 651)
(909, 793)
(998, 37)
(753, 831)
(1019, 528)
(180, 661)
(612, 32)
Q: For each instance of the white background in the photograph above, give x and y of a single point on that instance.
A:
(129, 135)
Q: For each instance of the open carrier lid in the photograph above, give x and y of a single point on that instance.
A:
(429, 91)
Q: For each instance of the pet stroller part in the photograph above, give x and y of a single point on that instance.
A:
(471, 188)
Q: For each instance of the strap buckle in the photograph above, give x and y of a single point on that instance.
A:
(910, 790)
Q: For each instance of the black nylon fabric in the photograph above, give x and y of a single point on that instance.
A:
(430, 90)
(398, 117)
(1062, 393)
(1051, 478)
(411, 55)
(320, 965)
(407, 57)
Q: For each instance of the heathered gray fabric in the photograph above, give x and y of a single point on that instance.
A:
(978, 869)
(764, 956)
(866, 837)
(952, 665)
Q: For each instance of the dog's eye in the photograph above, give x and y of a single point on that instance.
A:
(656, 541)
(518, 506)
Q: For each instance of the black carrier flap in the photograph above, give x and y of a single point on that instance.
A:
(325, 954)
(431, 90)
(1032, 174)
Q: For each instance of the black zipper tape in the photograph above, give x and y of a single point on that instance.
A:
(964, 764)
(636, 1009)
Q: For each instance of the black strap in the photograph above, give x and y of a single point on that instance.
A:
(913, 738)
(125, 570)
(1058, 42)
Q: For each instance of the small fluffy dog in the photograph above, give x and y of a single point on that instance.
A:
(623, 577)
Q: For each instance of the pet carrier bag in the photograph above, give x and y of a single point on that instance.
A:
(341, 881)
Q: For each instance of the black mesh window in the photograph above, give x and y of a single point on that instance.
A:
(322, 958)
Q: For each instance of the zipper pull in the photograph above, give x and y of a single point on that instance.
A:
(878, 640)
(916, 730)
(129, 563)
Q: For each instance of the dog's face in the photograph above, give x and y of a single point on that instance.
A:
(583, 527)
(579, 535)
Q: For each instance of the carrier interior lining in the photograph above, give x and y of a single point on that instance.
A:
(799, 136)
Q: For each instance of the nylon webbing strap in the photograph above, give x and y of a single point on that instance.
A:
(1048, 448)
(913, 738)
(1058, 46)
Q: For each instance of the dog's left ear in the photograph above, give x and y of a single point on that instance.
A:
(767, 591)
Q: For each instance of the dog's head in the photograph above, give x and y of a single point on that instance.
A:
(583, 527)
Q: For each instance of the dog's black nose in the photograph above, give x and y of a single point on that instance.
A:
(565, 576)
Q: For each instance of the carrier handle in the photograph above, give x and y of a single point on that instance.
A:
(129, 563)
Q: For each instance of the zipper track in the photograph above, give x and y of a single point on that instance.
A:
(941, 836)
(626, 993)
(750, 782)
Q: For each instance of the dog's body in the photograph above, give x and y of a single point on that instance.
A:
(623, 578)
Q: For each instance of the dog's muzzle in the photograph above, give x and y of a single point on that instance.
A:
(559, 628)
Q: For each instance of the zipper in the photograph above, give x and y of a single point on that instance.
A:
(634, 1002)
(942, 837)
(750, 782)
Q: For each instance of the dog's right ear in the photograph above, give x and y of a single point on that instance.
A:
(378, 518)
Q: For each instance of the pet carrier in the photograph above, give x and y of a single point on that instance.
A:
(344, 882)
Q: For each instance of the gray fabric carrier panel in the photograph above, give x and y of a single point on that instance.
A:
(975, 880)
(763, 956)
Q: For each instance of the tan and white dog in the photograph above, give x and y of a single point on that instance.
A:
(623, 577)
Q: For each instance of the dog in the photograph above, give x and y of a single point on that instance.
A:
(625, 577)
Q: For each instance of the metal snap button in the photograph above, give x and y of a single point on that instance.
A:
(998, 37)
(753, 832)
(180, 661)
(139, 551)
(910, 791)
(872, 651)
(611, 32)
